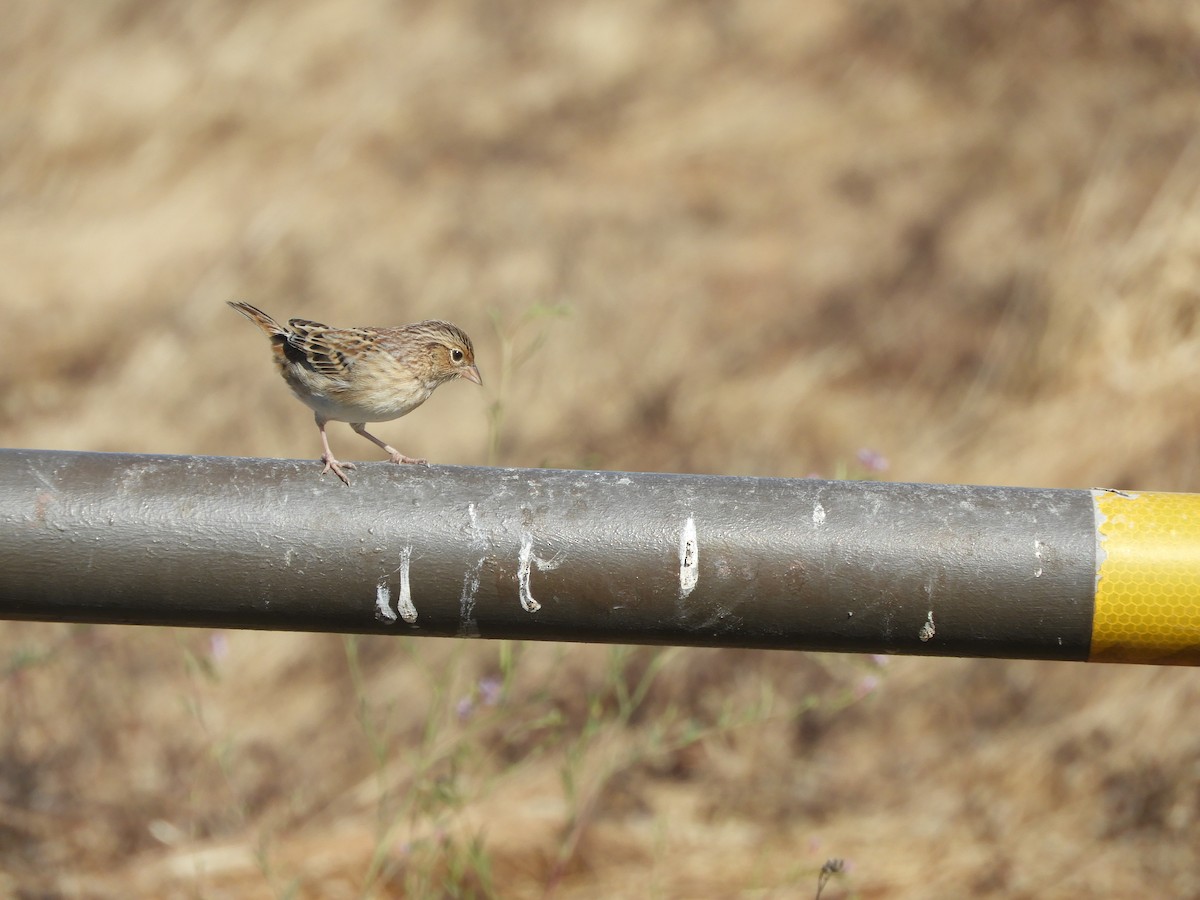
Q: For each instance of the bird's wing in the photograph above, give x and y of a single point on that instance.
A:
(332, 352)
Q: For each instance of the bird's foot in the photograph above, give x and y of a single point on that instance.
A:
(400, 459)
(332, 465)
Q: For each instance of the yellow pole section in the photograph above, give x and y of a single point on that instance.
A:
(1147, 578)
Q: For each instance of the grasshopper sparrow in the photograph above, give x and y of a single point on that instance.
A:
(361, 375)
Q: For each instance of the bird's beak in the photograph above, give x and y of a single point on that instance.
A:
(471, 373)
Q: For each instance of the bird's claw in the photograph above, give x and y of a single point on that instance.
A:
(332, 465)
(400, 459)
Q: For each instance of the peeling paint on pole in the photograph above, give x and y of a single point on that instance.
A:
(524, 565)
(689, 559)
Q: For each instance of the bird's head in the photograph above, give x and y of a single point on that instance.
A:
(449, 350)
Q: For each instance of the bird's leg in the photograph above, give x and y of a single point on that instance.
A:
(396, 455)
(331, 464)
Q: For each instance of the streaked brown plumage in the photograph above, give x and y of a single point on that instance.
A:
(361, 375)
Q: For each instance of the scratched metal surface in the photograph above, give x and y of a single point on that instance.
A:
(547, 554)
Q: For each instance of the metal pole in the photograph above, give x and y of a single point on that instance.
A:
(601, 556)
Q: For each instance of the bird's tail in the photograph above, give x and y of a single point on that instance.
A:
(259, 318)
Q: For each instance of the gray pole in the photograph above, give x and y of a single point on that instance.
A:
(548, 554)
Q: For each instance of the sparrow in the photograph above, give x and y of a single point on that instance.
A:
(361, 375)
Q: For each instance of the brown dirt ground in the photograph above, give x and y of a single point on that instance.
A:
(963, 234)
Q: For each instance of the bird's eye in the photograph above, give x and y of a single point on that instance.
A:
(456, 355)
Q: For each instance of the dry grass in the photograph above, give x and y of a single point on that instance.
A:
(963, 234)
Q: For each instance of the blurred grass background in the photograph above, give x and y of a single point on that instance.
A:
(962, 234)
